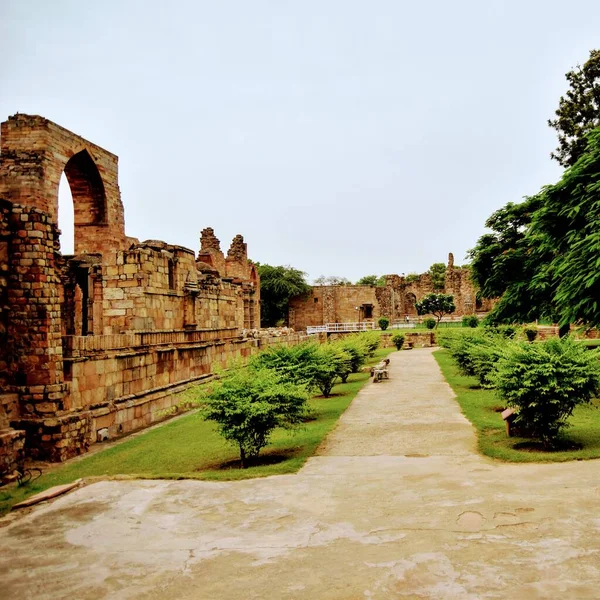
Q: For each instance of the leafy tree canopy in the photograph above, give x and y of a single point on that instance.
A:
(372, 280)
(542, 256)
(332, 280)
(437, 271)
(578, 111)
(437, 305)
(277, 286)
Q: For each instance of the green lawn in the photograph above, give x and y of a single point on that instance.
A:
(190, 448)
(480, 406)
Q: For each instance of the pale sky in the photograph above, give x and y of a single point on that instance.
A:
(341, 137)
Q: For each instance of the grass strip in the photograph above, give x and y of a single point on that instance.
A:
(191, 448)
(481, 407)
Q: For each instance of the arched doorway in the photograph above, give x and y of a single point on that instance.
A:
(409, 304)
(89, 200)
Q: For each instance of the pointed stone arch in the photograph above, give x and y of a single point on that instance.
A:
(35, 152)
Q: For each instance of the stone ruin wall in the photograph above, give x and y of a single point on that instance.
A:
(395, 300)
(101, 339)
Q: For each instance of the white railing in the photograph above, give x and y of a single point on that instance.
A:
(341, 327)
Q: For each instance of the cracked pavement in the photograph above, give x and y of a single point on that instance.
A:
(396, 504)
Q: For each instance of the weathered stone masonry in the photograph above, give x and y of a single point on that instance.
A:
(395, 300)
(101, 339)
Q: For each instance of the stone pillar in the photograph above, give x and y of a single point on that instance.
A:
(34, 329)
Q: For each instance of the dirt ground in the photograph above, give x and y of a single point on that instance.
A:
(397, 504)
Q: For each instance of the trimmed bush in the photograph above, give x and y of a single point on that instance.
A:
(430, 323)
(470, 321)
(545, 382)
(398, 340)
(383, 323)
(530, 333)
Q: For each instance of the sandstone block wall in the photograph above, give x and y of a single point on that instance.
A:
(102, 338)
(395, 300)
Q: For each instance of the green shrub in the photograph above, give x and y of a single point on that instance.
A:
(371, 341)
(248, 404)
(507, 331)
(294, 364)
(355, 346)
(330, 363)
(430, 323)
(545, 382)
(398, 340)
(344, 359)
(530, 333)
(383, 323)
(484, 357)
(462, 349)
(470, 321)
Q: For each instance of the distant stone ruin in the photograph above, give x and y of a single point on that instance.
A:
(395, 300)
(102, 339)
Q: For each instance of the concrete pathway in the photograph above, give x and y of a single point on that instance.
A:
(397, 504)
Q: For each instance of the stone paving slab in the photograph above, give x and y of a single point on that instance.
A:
(437, 522)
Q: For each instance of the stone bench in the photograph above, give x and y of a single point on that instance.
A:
(380, 371)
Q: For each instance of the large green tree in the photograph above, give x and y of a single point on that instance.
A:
(503, 264)
(277, 286)
(578, 111)
(543, 256)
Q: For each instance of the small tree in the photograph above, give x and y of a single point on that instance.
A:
(383, 323)
(545, 382)
(331, 362)
(249, 404)
(356, 349)
(437, 305)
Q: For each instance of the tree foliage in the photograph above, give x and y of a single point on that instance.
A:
(542, 257)
(248, 404)
(437, 305)
(372, 280)
(437, 272)
(545, 382)
(277, 286)
(578, 111)
(332, 280)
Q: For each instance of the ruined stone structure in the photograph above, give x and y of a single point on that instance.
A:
(395, 300)
(99, 340)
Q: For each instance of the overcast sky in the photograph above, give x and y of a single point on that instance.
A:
(341, 137)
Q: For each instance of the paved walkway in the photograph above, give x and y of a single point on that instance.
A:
(396, 505)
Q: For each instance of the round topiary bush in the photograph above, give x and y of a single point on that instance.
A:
(398, 340)
(383, 323)
(530, 333)
(430, 323)
(470, 321)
